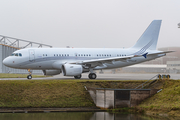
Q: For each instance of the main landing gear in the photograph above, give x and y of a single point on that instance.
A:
(78, 77)
(92, 76)
(29, 76)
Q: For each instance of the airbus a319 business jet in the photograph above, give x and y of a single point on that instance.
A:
(75, 61)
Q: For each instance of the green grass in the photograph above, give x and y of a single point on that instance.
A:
(71, 93)
(53, 93)
(168, 100)
(9, 75)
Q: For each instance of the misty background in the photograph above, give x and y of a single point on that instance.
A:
(89, 23)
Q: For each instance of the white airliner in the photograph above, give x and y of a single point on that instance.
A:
(75, 61)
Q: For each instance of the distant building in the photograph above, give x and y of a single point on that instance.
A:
(173, 66)
(145, 68)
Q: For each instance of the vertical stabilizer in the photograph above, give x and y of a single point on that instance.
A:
(149, 38)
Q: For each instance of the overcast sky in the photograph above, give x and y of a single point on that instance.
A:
(89, 23)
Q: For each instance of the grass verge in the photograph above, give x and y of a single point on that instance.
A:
(166, 101)
(53, 93)
(9, 75)
(71, 93)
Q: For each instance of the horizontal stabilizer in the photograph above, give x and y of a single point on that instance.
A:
(163, 52)
(147, 54)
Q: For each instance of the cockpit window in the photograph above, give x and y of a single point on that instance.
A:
(20, 54)
(16, 54)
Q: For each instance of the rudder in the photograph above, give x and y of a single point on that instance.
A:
(149, 38)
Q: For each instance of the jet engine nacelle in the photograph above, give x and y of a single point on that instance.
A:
(72, 69)
(51, 72)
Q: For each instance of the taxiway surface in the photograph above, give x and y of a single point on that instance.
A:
(122, 76)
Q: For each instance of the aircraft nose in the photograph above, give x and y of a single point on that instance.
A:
(6, 62)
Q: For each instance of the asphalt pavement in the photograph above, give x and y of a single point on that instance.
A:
(121, 76)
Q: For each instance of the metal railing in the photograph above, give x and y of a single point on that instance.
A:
(143, 85)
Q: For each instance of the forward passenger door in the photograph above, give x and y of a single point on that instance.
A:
(31, 55)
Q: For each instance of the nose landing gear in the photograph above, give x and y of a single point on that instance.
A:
(29, 76)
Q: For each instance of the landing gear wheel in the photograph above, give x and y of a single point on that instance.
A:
(92, 76)
(89, 75)
(77, 77)
(29, 77)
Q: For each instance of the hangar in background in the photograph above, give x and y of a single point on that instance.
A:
(8, 45)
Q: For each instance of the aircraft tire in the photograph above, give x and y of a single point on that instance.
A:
(29, 77)
(89, 75)
(92, 76)
(78, 77)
